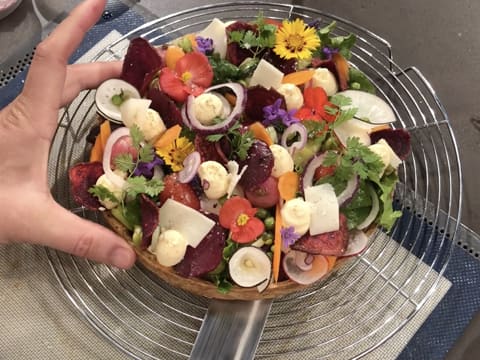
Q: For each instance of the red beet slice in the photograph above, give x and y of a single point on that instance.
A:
(259, 163)
(141, 59)
(207, 149)
(165, 106)
(207, 255)
(236, 54)
(82, 177)
(257, 98)
(331, 243)
(285, 66)
(398, 139)
(149, 218)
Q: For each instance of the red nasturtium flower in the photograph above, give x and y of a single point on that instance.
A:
(315, 100)
(192, 75)
(238, 215)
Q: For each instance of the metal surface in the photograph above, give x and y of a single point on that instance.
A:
(364, 304)
(232, 328)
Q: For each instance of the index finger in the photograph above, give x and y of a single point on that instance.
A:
(46, 77)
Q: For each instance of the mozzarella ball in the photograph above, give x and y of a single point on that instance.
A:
(297, 213)
(136, 112)
(214, 178)
(293, 96)
(116, 192)
(282, 161)
(325, 79)
(171, 248)
(209, 106)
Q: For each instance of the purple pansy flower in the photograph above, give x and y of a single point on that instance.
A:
(328, 52)
(204, 45)
(289, 236)
(274, 113)
(146, 168)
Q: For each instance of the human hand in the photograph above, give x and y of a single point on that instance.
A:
(28, 212)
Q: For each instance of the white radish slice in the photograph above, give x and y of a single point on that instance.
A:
(250, 266)
(264, 285)
(371, 108)
(372, 215)
(105, 93)
(357, 243)
(319, 269)
(354, 128)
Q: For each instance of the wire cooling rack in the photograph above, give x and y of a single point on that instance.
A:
(349, 315)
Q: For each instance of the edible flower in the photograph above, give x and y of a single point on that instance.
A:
(238, 215)
(328, 52)
(289, 236)
(204, 45)
(175, 153)
(296, 40)
(146, 168)
(315, 101)
(275, 113)
(192, 74)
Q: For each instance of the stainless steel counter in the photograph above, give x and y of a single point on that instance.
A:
(439, 37)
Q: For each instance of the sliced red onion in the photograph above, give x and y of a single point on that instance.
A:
(372, 215)
(303, 260)
(309, 173)
(300, 143)
(349, 192)
(190, 167)
(190, 120)
(357, 243)
(115, 179)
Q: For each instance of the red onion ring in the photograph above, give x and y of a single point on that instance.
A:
(190, 120)
(372, 215)
(349, 192)
(297, 145)
(115, 179)
(190, 167)
(309, 173)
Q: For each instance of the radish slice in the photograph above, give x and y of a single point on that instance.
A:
(309, 173)
(190, 167)
(357, 243)
(354, 128)
(115, 179)
(250, 266)
(349, 192)
(106, 91)
(297, 145)
(371, 108)
(372, 215)
(304, 260)
(264, 285)
(319, 269)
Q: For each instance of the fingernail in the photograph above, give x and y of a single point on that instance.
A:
(122, 258)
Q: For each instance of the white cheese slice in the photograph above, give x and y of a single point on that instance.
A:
(216, 31)
(324, 208)
(192, 224)
(266, 75)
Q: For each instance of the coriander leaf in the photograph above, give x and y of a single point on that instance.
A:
(358, 80)
(146, 153)
(242, 144)
(345, 115)
(140, 185)
(215, 137)
(124, 162)
(340, 100)
(102, 193)
(387, 188)
(330, 159)
(137, 136)
(236, 36)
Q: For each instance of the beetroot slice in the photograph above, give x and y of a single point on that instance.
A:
(235, 54)
(331, 243)
(285, 66)
(398, 139)
(149, 218)
(141, 59)
(207, 149)
(165, 106)
(259, 163)
(257, 98)
(207, 255)
(82, 177)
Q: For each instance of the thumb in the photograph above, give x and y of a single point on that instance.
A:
(65, 231)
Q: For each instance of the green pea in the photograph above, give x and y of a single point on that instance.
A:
(272, 248)
(268, 241)
(262, 213)
(269, 223)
